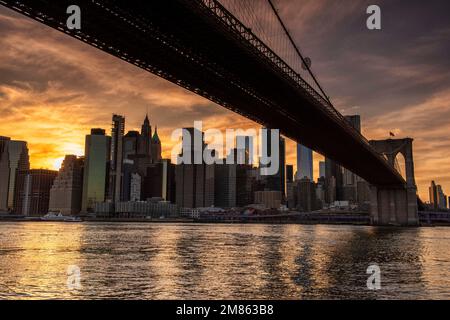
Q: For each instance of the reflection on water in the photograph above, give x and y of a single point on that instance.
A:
(188, 261)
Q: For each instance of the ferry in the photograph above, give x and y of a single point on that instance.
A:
(57, 216)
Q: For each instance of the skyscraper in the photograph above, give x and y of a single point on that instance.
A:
(245, 149)
(304, 163)
(13, 158)
(433, 195)
(97, 154)
(322, 169)
(289, 173)
(4, 173)
(349, 179)
(33, 191)
(346, 182)
(156, 147)
(159, 181)
(306, 195)
(115, 175)
(442, 198)
(276, 182)
(66, 192)
(130, 165)
(145, 141)
(190, 177)
(131, 144)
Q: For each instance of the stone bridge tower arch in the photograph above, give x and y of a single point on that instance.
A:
(397, 205)
(391, 148)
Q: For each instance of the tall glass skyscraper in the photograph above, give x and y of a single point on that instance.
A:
(304, 163)
(13, 158)
(18, 161)
(97, 152)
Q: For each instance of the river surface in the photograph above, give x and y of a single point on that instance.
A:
(40, 260)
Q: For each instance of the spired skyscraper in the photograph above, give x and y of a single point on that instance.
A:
(141, 154)
(304, 163)
(97, 156)
(13, 158)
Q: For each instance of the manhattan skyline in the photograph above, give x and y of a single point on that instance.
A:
(53, 89)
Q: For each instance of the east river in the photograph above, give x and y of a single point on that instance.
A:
(39, 260)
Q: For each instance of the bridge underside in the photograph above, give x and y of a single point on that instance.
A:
(204, 51)
(185, 43)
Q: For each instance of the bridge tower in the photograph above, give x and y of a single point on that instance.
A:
(396, 205)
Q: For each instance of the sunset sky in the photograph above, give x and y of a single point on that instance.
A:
(53, 88)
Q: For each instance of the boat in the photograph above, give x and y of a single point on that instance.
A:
(57, 216)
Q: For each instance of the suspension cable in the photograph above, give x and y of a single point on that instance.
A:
(298, 51)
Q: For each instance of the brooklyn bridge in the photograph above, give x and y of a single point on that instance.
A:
(223, 51)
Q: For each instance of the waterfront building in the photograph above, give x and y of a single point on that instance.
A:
(190, 177)
(159, 181)
(270, 199)
(306, 195)
(66, 192)
(33, 191)
(97, 155)
(135, 187)
(153, 208)
(13, 158)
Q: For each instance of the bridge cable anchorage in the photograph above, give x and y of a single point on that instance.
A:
(298, 51)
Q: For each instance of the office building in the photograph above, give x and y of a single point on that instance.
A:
(159, 182)
(96, 167)
(289, 173)
(33, 192)
(115, 173)
(245, 150)
(306, 195)
(13, 158)
(275, 182)
(304, 163)
(190, 177)
(156, 147)
(322, 169)
(434, 200)
(269, 199)
(67, 189)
